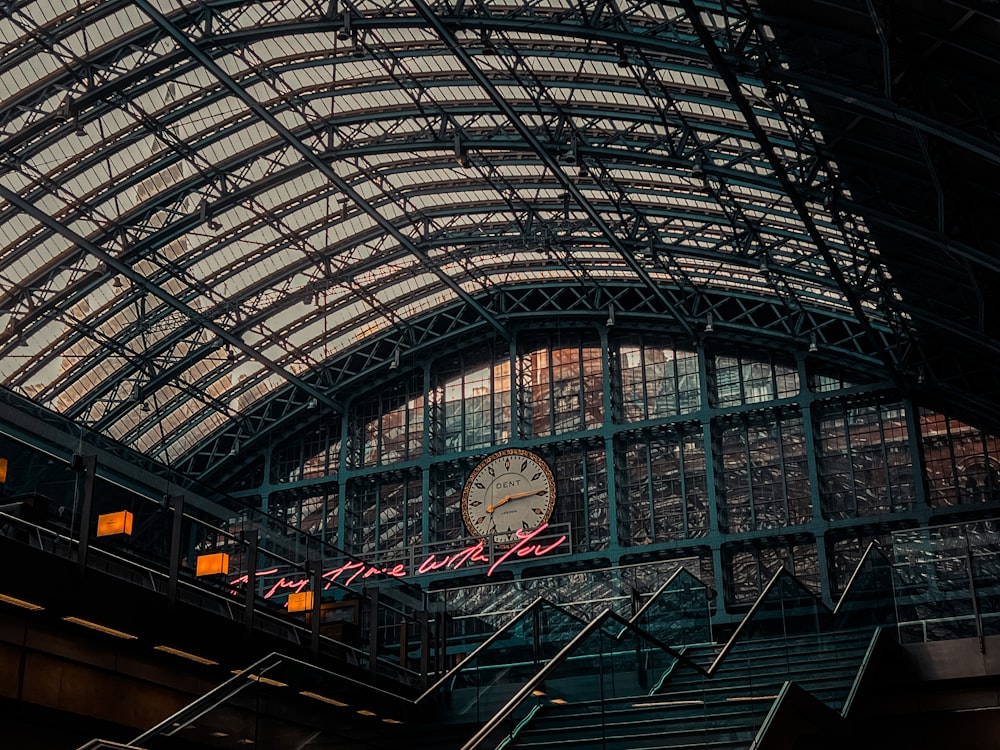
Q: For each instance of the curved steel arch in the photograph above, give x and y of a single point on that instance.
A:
(743, 221)
(838, 336)
(236, 198)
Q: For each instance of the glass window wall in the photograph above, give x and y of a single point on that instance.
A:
(657, 380)
(471, 403)
(863, 459)
(561, 386)
(753, 378)
(664, 492)
(766, 483)
(582, 488)
(743, 483)
(388, 427)
(962, 462)
(749, 567)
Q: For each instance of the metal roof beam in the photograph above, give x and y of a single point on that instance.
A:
(168, 299)
(311, 156)
(791, 190)
(886, 111)
(748, 317)
(546, 158)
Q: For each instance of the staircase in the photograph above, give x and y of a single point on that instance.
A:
(691, 709)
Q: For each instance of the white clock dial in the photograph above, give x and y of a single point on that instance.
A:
(509, 491)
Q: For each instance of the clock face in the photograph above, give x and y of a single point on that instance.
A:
(509, 491)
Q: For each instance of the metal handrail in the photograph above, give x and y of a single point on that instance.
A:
(591, 627)
(536, 603)
(872, 548)
(558, 660)
(782, 571)
(748, 617)
(653, 597)
(223, 692)
(771, 715)
(526, 690)
(143, 566)
(862, 670)
(214, 697)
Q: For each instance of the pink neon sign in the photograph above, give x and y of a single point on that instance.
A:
(349, 572)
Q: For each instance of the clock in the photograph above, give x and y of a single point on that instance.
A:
(509, 491)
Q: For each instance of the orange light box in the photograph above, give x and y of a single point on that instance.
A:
(210, 565)
(300, 602)
(3, 471)
(110, 524)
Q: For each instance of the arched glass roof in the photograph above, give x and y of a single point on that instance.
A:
(210, 208)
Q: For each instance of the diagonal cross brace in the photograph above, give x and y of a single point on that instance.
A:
(550, 162)
(767, 148)
(137, 278)
(311, 157)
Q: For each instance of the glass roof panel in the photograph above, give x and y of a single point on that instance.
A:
(308, 236)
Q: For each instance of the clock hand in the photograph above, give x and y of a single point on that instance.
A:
(491, 508)
(508, 498)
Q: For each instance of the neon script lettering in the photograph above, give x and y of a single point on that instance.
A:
(355, 570)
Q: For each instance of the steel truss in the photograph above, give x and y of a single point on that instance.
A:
(717, 196)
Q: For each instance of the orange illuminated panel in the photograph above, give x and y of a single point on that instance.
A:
(109, 524)
(3, 471)
(300, 602)
(210, 565)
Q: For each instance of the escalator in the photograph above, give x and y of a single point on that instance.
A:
(790, 657)
(282, 702)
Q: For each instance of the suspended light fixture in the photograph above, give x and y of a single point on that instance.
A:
(205, 216)
(13, 333)
(301, 601)
(114, 524)
(460, 156)
(709, 323)
(813, 348)
(67, 111)
(394, 364)
(829, 198)
(698, 168)
(213, 564)
(569, 156)
(622, 61)
(344, 32)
